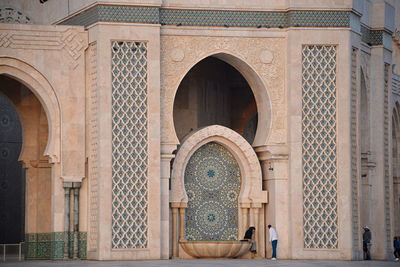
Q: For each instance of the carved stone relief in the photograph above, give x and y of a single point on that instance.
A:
(265, 58)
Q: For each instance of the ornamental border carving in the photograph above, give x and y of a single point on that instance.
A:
(72, 41)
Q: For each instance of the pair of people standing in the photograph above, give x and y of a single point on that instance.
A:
(273, 238)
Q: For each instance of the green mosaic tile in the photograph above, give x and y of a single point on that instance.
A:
(134, 14)
(47, 246)
(371, 37)
(82, 239)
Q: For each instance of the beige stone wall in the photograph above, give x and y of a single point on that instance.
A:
(103, 34)
(49, 61)
(341, 39)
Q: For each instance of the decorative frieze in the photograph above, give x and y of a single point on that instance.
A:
(129, 145)
(94, 146)
(72, 41)
(221, 18)
(319, 147)
(354, 151)
(386, 121)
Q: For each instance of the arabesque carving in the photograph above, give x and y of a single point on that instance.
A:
(196, 48)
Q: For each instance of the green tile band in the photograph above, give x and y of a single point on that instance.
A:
(187, 17)
(50, 246)
(222, 18)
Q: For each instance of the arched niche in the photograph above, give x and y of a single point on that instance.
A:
(38, 84)
(256, 85)
(251, 177)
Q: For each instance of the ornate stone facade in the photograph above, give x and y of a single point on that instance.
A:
(107, 178)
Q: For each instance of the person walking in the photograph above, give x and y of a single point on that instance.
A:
(367, 236)
(273, 238)
(396, 246)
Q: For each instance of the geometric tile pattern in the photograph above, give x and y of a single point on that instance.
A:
(388, 237)
(48, 246)
(129, 145)
(319, 146)
(319, 18)
(212, 184)
(219, 18)
(371, 37)
(10, 15)
(354, 151)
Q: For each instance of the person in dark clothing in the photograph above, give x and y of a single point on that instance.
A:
(396, 246)
(249, 236)
(367, 236)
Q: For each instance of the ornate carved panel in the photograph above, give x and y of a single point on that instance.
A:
(129, 145)
(319, 146)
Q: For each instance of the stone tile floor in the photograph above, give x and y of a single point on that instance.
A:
(201, 263)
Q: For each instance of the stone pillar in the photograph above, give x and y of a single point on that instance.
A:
(67, 214)
(379, 209)
(182, 223)
(76, 187)
(175, 245)
(164, 208)
(245, 220)
(275, 180)
(256, 211)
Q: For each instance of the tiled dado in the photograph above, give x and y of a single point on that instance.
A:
(51, 245)
(187, 17)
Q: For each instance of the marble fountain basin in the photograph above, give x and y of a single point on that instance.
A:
(215, 249)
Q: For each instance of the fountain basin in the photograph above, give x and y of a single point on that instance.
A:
(215, 249)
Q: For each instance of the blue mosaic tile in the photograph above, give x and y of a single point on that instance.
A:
(212, 183)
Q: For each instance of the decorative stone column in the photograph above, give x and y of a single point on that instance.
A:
(164, 189)
(67, 215)
(175, 246)
(71, 214)
(255, 208)
(76, 188)
(182, 221)
(245, 218)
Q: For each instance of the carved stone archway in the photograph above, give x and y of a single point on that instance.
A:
(262, 67)
(251, 195)
(38, 84)
(251, 184)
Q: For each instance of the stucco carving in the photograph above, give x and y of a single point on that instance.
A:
(72, 41)
(244, 55)
(266, 56)
(251, 184)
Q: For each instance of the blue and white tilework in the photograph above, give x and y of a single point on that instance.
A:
(319, 147)
(212, 183)
(129, 145)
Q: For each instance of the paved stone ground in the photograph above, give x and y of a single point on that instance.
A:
(203, 263)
